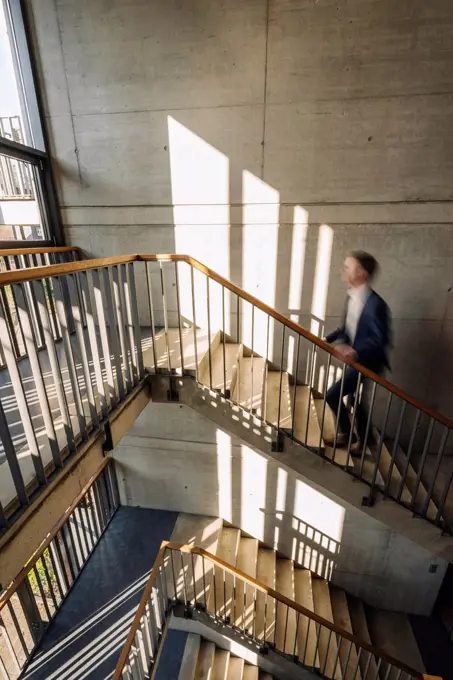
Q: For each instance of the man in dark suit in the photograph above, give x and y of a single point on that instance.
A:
(364, 336)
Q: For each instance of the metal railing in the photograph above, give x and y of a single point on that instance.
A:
(12, 259)
(59, 397)
(35, 596)
(173, 307)
(200, 581)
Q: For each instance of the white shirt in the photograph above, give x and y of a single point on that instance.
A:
(357, 299)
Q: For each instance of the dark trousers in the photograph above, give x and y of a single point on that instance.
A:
(341, 411)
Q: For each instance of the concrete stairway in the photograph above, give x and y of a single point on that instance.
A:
(253, 384)
(390, 631)
(202, 660)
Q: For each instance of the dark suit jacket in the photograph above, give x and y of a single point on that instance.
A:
(373, 337)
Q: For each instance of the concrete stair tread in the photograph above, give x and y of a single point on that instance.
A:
(305, 406)
(249, 388)
(265, 573)
(411, 482)
(227, 550)
(246, 562)
(174, 351)
(286, 618)
(392, 632)
(204, 532)
(385, 465)
(359, 623)
(306, 637)
(265, 676)
(221, 378)
(190, 657)
(328, 651)
(220, 666)
(235, 668)
(205, 661)
(250, 672)
(368, 469)
(274, 402)
(341, 616)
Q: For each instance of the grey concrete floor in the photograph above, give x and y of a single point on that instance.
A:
(85, 638)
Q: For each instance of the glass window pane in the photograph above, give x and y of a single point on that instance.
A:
(19, 120)
(20, 215)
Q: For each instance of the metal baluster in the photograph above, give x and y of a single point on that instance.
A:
(244, 607)
(340, 406)
(395, 448)
(123, 338)
(104, 337)
(204, 583)
(184, 584)
(310, 387)
(213, 586)
(275, 626)
(114, 344)
(296, 373)
(64, 538)
(295, 635)
(136, 320)
(318, 637)
(323, 672)
(208, 303)
(175, 589)
(238, 321)
(12, 653)
(408, 456)
(41, 390)
(61, 561)
(359, 653)
(251, 360)
(324, 402)
(381, 442)
(224, 594)
(265, 618)
(223, 345)
(18, 628)
(280, 388)
(12, 459)
(164, 305)
(126, 296)
(193, 580)
(151, 313)
(422, 462)
(41, 591)
(178, 311)
(194, 315)
(367, 431)
(354, 413)
(304, 655)
(21, 399)
(436, 469)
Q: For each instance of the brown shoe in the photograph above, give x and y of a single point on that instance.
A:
(342, 439)
(356, 449)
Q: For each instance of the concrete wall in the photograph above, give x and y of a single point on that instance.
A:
(235, 130)
(174, 458)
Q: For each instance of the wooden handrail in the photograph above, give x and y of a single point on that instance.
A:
(50, 536)
(20, 275)
(139, 613)
(238, 574)
(38, 251)
(32, 273)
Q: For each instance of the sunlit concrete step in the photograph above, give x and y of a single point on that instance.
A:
(205, 661)
(306, 635)
(168, 350)
(359, 623)
(249, 388)
(220, 666)
(250, 672)
(220, 597)
(247, 562)
(204, 532)
(276, 404)
(349, 660)
(327, 644)
(304, 410)
(411, 482)
(224, 367)
(392, 632)
(286, 624)
(190, 657)
(235, 668)
(265, 573)
(390, 473)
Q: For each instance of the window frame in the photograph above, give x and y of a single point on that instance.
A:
(23, 56)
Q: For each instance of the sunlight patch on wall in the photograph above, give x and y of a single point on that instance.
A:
(224, 474)
(201, 213)
(253, 491)
(322, 276)
(261, 206)
(298, 246)
(318, 524)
